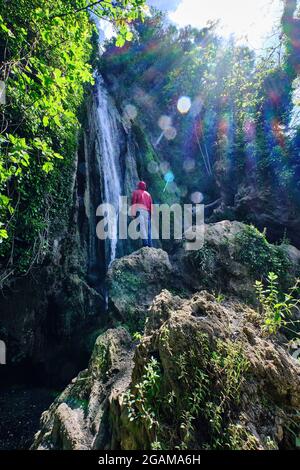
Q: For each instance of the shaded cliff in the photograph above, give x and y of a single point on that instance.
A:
(202, 374)
(49, 313)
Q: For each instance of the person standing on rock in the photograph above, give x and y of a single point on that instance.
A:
(142, 207)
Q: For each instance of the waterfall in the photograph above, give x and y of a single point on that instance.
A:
(110, 166)
(107, 170)
(108, 158)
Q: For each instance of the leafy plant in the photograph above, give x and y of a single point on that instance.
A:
(259, 255)
(277, 307)
(241, 439)
(136, 336)
(202, 400)
(46, 63)
(141, 401)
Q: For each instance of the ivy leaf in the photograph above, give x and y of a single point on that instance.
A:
(45, 121)
(120, 41)
(129, 36)
(3, 234)
(57, 121)
(47, 167)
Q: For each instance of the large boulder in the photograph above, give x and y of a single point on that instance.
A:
(233, 257)
(202, 373)
(133, 281)
(79, 418)
(204, 376)
(270, 208)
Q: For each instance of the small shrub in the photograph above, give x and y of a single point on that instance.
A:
(260, 256)
(141, 402)
(276, 306)
(205, 262)
(241, 439)
(209, 385)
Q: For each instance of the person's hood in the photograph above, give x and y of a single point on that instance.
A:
(142, 185)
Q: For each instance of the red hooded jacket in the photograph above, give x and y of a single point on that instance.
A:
(141, 199)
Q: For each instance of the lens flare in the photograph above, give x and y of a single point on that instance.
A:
(172, 187)
(153, 167)
(169, 177)
(224, 126)
(197, 197)
(184, 104)
(164, 167)
(189, 164)
(197, 106)
(249, 129)
(183, 191)
(164, 122)
(170, 133)
(130, 111)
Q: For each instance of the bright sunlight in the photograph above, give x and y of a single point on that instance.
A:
(251, 22)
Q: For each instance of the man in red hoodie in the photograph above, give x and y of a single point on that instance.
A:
(142, 207)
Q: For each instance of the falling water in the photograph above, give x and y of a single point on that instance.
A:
(111, 160)
(109, 155)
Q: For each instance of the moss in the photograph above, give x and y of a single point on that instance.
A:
(126, 284)
(205, 262)
(135, 321)
(260, 256)
(125, 287)
(239, 438)
(145, 156)
(208, 381)
(102, 360)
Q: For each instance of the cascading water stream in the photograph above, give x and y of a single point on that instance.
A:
(110, 167)
(108, 157)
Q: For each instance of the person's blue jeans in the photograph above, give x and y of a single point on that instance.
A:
(145, 218)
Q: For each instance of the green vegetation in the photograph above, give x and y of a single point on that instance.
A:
(261, 257)
(124, 287)
(134, 322)
(102, 357)
(210, 380)
(235, 131)
(277, 308)
(205, 262)
(45, 68)
(46, 55)
(147, 156)
(142, 404)
(241, 439)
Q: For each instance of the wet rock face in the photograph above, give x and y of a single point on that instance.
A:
(221, 266)
(80, 417)
(203, 376)
(200, 375)
(269, 209)
(133, 281)
(45, 314)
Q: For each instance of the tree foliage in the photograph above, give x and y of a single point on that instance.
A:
(46, 50)
(237, 130)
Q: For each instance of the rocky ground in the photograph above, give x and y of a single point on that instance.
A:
(201, 375)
